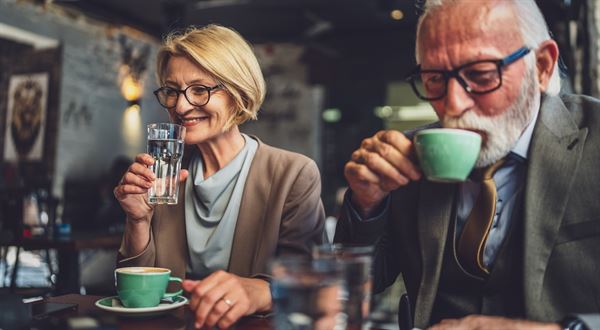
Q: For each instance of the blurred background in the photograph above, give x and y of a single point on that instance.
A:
(76, 82)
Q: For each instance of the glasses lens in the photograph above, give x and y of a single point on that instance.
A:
(432, 85)
(481, 77)
(167, 97)
(429, 85)
(197, 94)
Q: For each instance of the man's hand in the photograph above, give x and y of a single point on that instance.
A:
(384, 162)
(476, 322)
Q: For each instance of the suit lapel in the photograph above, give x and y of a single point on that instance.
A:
(554, 154)
(433, 221)
(253, 207)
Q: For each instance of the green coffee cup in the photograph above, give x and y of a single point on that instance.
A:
(144, 286)
(447, 154)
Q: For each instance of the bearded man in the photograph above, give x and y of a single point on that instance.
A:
(488, 67)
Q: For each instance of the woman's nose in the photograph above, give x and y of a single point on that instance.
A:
(183, 105)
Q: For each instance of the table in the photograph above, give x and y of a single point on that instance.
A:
(68, 248)
(180, 318)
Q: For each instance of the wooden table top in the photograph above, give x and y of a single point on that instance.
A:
(179, 318)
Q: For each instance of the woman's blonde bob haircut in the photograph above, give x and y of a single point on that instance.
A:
(227, 57)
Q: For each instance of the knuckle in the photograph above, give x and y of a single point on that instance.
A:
(197, 290)
(366, 143)
(370, 159)
(226, 321)
(384, 150)
(220, 308)
(211, 298)
(220, 272)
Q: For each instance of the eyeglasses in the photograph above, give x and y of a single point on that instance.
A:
(477, 77)
(197, 95)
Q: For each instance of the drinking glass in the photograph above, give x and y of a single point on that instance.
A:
(306, 294)
(165, 145)
(355, 261)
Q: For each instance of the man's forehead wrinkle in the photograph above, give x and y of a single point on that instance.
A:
(464, 23)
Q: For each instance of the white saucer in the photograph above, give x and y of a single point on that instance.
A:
(113, 304)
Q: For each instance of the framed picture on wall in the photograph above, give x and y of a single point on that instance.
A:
(29, 88)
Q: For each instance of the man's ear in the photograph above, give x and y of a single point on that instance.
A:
(546, 57)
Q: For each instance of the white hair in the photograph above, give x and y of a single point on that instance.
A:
(532, 26)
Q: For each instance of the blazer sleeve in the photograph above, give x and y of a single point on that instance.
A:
(145, 258)
(591, 321)
(351, 229)
(374, 231)
(303, 215)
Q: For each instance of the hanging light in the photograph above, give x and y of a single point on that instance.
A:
(131, 88)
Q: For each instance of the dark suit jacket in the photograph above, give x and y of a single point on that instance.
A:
(281, 213)
(561, 219)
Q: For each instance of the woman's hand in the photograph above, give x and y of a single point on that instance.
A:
(132, 190)
(132, 194)
(223, 298)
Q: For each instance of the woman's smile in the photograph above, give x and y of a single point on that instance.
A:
(192, 121)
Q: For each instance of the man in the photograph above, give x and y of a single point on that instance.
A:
(488, 67)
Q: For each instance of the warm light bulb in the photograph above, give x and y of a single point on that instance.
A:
(131, 128)
(397, 14)
(131, 88)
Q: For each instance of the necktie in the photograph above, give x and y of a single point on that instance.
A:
(471, 243)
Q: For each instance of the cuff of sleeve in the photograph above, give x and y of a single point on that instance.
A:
(590, 321)
(380, 213)
(125, 257)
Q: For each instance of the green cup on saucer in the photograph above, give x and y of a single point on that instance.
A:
(447, 154)
(144, 286)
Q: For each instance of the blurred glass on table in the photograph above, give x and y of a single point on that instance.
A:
(165, 145)
(355, 263)
(306, 294)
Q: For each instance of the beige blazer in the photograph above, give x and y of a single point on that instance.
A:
(281, 213)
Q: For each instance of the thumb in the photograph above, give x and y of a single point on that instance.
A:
(183, 175)
(188, 285)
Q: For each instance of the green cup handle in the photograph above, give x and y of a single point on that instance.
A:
(176, 293)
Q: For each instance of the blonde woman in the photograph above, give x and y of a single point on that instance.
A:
(241, 201)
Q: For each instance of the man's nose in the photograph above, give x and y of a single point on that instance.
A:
(458, 100)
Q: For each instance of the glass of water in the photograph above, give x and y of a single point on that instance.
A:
(306, 294)
(355, 262)
(165, 145)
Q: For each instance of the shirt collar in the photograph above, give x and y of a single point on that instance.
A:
(522, 146)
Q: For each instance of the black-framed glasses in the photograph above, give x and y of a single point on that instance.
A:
(478, 77)
(196, 94)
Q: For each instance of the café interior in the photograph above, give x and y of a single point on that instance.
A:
(335, 73)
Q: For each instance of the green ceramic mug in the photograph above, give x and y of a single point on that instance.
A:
(144, 286)
(447, 154)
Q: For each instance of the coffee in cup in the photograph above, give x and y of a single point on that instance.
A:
(144, 286)
(447, 154)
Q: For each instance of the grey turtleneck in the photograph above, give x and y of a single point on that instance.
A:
(211, 210)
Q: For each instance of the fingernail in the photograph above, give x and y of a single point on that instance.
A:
(197, 325)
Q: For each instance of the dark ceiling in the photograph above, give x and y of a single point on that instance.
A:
(258, 20)
(333, 29)
(359, 33)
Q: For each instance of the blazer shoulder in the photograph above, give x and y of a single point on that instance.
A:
(281, 158)
(584, 109)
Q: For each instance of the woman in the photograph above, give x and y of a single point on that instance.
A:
(242, 201)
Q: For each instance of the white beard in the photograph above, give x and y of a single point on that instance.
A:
(502, 130)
